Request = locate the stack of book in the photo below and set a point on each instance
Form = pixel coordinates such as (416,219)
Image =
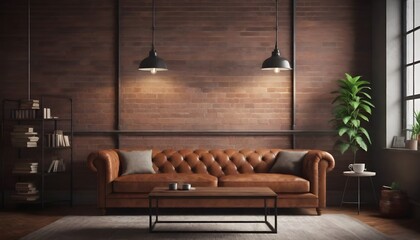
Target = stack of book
(27,109)
(25,167)
(58,139)
(24,136)
(25,191)
(29,104)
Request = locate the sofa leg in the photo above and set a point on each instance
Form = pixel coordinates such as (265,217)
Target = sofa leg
(103,211)
(318,211)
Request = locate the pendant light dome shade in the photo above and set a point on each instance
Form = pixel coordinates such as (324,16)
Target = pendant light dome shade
(276,62)
(153,63)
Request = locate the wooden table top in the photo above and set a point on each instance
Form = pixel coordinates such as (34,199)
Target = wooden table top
(214,192)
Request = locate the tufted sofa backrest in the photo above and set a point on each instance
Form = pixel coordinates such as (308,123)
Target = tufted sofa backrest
(216,162)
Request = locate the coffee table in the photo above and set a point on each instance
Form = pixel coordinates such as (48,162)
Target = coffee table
(263,193)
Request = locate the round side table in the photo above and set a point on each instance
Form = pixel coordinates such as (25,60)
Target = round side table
(350,174)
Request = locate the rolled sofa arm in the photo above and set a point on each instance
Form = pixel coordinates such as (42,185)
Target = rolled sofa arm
(106,164)
(316,164)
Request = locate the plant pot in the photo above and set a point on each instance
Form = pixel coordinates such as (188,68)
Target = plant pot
(418,142)
(411,144)
(393,203)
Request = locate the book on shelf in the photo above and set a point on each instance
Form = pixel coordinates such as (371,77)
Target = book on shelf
(57,165)
(23,114)
(25,167)
(27,109)
(24,136)
(25,197)
(58,139)
(25,185)
(47,113)
(22,170)
(22,163)
(25,191)
(16,171)
(50,168)
(25,144)
(23,128)
(29,104)
(66,141)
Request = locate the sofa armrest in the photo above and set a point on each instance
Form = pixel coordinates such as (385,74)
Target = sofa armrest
(106,164)
(316,164)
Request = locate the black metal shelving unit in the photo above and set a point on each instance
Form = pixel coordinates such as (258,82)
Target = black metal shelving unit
(41,152)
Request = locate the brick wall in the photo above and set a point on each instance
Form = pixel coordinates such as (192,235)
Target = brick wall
(214,50)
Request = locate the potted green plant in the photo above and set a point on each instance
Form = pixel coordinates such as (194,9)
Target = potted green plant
(412,143)
(352,107)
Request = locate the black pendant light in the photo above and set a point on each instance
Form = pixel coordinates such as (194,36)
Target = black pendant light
(153,63)
(276,62)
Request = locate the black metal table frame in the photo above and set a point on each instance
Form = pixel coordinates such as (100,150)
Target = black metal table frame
(358,202)
(154,211)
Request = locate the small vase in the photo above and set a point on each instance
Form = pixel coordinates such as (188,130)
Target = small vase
(411,144)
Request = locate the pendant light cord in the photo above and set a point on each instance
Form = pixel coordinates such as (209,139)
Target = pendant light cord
(153,24)
(29,49)
(277,22)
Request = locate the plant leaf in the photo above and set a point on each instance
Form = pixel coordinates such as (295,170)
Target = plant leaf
(365,132)
(364,117)
(346,119)
(354,104)
(366,95)
(368,103)
(366,108)
(361,82)
(361,143)
(355,123)
(351,133)
(342,130)
(343,147)
(356,78)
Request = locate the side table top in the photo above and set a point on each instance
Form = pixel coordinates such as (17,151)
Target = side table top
(363,174)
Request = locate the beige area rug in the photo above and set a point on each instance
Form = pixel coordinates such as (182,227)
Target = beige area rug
(327,226)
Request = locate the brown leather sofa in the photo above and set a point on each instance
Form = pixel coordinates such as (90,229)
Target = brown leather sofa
(212,168)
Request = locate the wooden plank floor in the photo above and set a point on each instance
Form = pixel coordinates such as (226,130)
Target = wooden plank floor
(399,229)
(17,223)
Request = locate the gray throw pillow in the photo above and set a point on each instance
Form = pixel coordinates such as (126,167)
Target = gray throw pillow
(288,162)
(136,162)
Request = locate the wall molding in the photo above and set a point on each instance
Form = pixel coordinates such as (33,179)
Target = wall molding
(243,133)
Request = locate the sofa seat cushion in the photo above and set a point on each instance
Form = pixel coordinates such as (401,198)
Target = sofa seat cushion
(136,183)
(280,183)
